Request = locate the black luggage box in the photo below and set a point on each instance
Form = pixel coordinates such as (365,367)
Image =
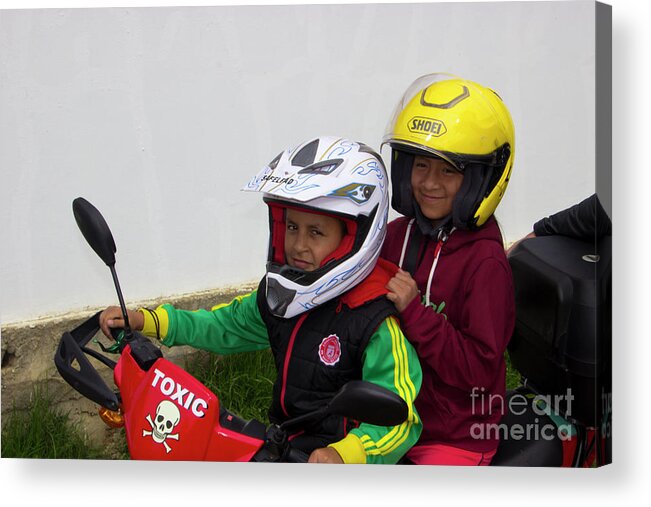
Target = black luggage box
(562,332)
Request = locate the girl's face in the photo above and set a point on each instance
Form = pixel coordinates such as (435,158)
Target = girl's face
(310,238)
(434,183)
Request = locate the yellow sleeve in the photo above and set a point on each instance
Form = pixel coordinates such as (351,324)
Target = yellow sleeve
(390,362)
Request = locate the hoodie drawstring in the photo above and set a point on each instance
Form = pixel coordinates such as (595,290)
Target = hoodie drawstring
(406,240)
(443,236)
(437,252)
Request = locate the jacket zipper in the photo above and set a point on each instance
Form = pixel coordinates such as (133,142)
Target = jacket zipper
(288,355)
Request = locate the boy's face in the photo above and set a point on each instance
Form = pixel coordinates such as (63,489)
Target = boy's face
(434,183)
(310,238)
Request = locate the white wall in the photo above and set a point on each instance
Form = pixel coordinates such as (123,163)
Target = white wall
(159,115)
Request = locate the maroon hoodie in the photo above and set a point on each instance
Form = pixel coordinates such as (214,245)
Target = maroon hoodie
(461,337)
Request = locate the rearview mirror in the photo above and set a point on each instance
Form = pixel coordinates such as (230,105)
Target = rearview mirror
(360,400)
(369,403)
(92,225)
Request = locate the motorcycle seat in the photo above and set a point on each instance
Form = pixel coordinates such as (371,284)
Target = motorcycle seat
(532,438)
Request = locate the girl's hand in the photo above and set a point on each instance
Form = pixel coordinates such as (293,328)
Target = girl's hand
(325,455)
(112,318)
(402,290)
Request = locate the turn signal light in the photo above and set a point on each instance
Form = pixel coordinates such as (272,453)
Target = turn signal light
(112,418)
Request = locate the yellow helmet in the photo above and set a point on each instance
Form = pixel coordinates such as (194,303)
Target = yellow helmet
(464,123)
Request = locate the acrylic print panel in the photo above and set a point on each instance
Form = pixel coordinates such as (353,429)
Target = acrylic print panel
(183,104)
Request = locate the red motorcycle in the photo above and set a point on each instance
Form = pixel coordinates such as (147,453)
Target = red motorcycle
(170,415)
(559,417)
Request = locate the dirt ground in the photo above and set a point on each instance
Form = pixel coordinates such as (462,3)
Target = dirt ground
(28,351)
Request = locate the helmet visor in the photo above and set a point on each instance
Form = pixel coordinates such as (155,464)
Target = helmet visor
(448,117)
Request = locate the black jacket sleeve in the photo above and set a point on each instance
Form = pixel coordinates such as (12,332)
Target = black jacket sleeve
(586,220)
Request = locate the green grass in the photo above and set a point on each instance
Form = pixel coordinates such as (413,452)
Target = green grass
(513,379)
(44,432)
(243,382)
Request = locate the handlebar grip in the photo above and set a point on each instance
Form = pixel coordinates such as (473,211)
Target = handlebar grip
(297,456)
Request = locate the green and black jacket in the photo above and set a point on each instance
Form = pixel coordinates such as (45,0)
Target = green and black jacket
(352,337)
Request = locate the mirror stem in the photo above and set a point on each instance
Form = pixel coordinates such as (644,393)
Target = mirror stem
(127,326)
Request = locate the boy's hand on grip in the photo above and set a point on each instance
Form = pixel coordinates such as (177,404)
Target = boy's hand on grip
(112,318)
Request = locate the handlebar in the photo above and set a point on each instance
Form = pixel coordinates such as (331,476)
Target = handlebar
(296,456)
(73,365)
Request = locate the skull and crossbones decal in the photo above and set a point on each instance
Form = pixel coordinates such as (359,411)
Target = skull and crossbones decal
(167,418)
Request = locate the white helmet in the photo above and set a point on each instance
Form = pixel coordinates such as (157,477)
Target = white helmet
(340,178)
